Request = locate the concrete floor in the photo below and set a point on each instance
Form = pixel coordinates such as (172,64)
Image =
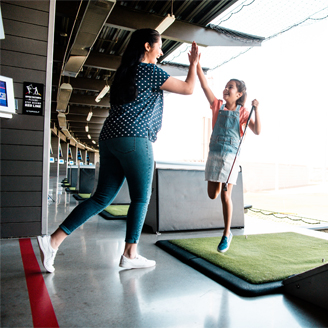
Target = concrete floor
(89,289)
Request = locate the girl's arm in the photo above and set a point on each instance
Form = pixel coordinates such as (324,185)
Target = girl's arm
(204,84)
(255,125)
(184,87)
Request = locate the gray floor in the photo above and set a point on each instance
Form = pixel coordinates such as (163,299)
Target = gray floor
(88,289)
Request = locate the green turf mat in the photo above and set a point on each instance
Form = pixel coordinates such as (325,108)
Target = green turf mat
(261,258)
(117,210)
(84,195)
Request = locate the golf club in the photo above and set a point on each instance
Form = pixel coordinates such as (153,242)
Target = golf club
(225,187)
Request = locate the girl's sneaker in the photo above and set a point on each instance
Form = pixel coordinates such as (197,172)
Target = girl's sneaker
(225,243)
(47,253)
(138,262)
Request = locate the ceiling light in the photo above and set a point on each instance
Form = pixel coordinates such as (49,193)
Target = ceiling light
(93,142)
(165,23)
(74,65)
(89,116)
(87,128)
(63,97)
(102,93)
(62,120)
(89,136)
(91,24)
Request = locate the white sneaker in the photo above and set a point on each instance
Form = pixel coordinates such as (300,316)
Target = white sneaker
(138,262)
(47,253)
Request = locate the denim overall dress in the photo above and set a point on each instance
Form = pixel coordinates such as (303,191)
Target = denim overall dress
(224,144)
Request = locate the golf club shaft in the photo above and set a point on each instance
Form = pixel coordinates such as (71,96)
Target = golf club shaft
(225,187)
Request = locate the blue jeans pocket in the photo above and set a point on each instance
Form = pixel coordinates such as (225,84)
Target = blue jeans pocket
(125,145)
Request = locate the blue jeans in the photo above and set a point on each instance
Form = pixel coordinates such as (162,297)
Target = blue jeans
(120,158)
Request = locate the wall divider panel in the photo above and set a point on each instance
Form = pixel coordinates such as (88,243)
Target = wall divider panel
(25,152)
(179,200)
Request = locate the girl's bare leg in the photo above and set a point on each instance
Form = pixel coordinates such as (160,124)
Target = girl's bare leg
(227,208)
(213,189)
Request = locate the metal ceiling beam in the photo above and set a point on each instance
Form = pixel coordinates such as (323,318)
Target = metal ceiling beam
(81,119)
(81,125)
(84,136)
(72,119)
(88,101)
(84,111)
(108,62)
(81,129)
(78,99)
(81,83)
(124,18)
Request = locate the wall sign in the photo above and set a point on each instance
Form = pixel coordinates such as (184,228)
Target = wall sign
(33,98)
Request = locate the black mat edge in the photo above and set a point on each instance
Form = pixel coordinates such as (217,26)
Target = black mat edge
(224,278)
(79,198)
(108,216)
(71,191)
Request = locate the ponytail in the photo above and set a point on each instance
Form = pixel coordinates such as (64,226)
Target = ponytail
(124,89)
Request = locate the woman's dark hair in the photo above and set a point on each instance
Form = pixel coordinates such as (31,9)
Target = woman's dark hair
(241,87)
(124,89)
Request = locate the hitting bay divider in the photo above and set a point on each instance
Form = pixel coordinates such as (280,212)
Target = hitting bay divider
(179,200)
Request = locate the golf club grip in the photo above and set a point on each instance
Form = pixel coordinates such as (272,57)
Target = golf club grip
(225,187)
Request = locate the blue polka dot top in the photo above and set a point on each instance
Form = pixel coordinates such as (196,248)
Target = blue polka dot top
(143,116)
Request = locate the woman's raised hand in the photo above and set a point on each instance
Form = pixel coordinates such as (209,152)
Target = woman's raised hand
(193,54)
(184,87)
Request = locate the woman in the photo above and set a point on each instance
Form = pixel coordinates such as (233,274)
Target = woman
(125,143)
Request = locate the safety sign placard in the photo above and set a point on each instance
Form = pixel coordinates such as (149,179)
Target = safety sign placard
(33,98)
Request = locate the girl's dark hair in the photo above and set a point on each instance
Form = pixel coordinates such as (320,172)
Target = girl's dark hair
(124,89)
(241,86)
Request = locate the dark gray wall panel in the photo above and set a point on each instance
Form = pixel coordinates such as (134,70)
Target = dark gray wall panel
(62,169)
(25,30)
(20,199)
(53,169)
(23,75)
(26,122)
(18,214)
(23,58)
(87,180)
(40,5)
(22,137)
(12,183)
(15,11)
(23,45)
(27,61)
(22,229)
(20,153)
(21,168)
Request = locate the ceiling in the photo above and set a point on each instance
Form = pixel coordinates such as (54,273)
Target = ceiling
(90,38)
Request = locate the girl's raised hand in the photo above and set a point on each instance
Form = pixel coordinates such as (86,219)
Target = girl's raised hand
(193,54)
(255,103)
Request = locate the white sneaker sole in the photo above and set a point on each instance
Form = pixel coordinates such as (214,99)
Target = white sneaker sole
(128,265)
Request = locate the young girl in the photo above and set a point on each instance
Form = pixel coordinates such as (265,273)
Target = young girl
(228,122)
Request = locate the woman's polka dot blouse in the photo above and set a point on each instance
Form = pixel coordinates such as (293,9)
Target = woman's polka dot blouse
(143,116)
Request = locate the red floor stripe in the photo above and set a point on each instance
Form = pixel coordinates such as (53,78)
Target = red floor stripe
(43,313)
